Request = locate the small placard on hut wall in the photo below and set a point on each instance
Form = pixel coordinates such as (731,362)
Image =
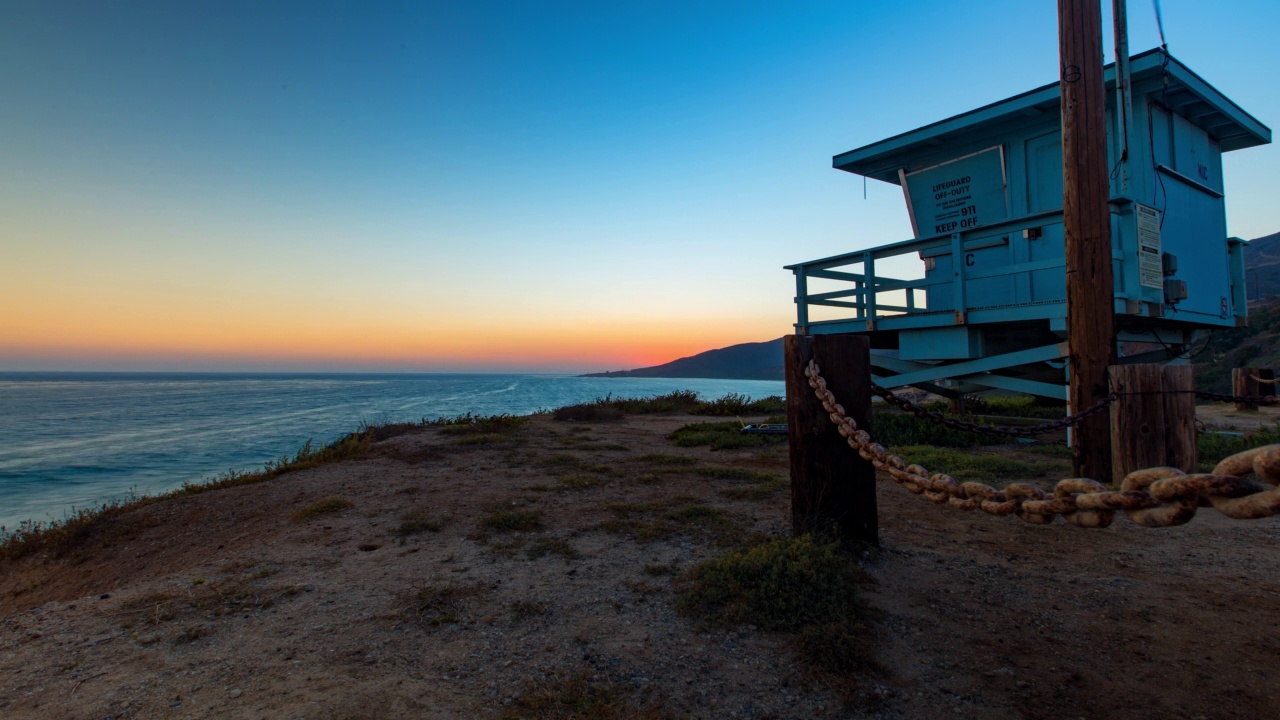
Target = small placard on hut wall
(1150,270)
(957,195)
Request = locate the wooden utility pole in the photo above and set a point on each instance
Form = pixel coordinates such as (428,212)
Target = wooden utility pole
(1087,221)
(833,490)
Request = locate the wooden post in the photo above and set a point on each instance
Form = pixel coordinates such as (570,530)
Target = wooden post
(1087,226)
(833,490)
(1153,420)
(1244,381)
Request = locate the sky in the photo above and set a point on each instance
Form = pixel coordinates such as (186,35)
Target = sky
(490,186)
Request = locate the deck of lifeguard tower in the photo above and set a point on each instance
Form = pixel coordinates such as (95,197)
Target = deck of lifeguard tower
(982,301)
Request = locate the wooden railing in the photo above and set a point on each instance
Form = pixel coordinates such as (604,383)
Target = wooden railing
(863,294)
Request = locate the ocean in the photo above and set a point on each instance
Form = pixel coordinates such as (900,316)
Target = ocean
(76,440)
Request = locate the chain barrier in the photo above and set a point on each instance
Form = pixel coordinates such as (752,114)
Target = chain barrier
(1253,399)
(984,429)
(1030,431)
(1154,497)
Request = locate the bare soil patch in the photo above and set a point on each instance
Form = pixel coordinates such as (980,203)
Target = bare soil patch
(520,573)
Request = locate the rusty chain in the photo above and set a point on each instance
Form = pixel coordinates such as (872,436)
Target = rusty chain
(1030,431)
(984,429)
(1223,397)
(1154,497)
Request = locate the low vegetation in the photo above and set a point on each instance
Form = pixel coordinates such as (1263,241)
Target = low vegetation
(611,409)
(736,404)
(891,427)
(543,547)
(577,481)
(435,605)
(480,430)
(581,694)
(1213,447)
(983,467)
(1022,406)
(723,436)
(503,521)
(667,460)
(146,614)
(418,520)
(670,518)
(326,506)
(790,585)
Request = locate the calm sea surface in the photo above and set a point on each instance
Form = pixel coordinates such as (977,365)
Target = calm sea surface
(79,439)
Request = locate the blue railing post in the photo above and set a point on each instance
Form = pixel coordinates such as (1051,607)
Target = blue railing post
(869,289)
(802,302)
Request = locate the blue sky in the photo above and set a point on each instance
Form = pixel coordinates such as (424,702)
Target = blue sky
(488,186)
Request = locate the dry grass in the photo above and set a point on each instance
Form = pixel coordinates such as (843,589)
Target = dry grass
(512,521)
(671,518)
(418,520)
(582,694)
(326,506)
(435,605)
(551,546)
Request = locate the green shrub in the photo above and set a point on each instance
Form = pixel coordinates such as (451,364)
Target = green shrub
(736,404)
(1027,406)
(1213,447)
(790,585)
(479,425)
(978,467)
(892,427)
(785,585)
(609,408)
(722,436)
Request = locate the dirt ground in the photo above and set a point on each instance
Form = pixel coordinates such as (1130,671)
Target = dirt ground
(1224,416)
(226,605)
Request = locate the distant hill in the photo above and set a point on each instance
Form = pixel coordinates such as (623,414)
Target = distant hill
(1262,268)
(748,361)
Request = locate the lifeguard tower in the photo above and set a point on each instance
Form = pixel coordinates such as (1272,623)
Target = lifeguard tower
(980,298)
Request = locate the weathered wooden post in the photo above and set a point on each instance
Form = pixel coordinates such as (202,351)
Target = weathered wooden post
(833,490)
(1153,419)
(1245,381)
(1086,218)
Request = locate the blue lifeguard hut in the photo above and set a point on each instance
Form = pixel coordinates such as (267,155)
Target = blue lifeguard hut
(979,301)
